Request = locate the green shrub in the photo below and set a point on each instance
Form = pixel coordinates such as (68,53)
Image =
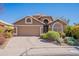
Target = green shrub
(50,29)
(68,31)
(75,32)
(44,36)
(9,27)
(1,30)
(62,34)
(9,31)
(71,41)
(8,34)
(52,35)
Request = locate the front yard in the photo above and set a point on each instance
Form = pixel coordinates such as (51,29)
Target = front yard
(59,39)
(69,36)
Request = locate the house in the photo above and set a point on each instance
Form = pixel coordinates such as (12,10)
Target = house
(3,25)
(36,25)
(58,25)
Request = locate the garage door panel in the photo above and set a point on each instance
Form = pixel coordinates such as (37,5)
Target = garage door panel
(28,30)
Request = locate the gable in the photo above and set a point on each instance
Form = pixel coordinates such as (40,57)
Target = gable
(23,22)
(60,21)
(57,24)
(42,18)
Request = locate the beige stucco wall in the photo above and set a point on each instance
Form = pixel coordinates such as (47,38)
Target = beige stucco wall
(22,22)
(64,25)
(24,29)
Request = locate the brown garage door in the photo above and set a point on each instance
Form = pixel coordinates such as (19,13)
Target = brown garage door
(28,30)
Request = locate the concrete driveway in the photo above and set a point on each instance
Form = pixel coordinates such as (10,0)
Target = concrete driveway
(23,46)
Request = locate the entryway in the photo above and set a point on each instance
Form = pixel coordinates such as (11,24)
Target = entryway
(45,26)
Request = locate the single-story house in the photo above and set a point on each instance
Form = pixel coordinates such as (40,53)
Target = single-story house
(3,24)
(36,25)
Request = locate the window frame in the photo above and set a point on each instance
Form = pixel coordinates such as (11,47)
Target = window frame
(28,22)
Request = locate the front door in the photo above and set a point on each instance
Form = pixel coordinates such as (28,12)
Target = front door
(45,26)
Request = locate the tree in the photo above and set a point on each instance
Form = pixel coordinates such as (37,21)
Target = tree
(75,31)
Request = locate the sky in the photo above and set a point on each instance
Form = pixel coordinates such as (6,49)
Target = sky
(11,12)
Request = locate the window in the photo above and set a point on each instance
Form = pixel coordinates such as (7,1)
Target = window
(28,21)
(45,21)
(58,27)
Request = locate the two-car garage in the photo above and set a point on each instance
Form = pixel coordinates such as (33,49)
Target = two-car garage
(31,30)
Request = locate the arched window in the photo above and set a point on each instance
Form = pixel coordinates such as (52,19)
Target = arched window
(57,27)
(45,26)
(45,21)
(28,21)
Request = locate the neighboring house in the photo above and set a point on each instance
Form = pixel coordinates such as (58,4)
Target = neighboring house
(36,25)
(4,24)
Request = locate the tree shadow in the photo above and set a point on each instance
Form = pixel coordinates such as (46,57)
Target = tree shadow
(77,47)
(49,41)
(45,41)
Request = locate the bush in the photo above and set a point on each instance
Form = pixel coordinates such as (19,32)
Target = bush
(75,32)
(9,31)
(9,27)
(8,35)
(50,29)
(68,31)
(52,35)
(71,41)
(1,30)
(62,34)
(44,36)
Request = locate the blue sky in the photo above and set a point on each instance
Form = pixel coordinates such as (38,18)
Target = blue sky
(12,12)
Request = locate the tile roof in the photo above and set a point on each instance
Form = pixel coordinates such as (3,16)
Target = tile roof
(1,21)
